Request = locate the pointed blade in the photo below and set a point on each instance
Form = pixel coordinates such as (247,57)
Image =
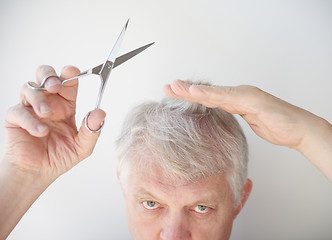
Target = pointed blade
(129,55)
(117,44)
(109,63)
(118,61)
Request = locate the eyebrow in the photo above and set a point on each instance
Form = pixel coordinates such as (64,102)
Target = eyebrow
(143,192)
(208,199)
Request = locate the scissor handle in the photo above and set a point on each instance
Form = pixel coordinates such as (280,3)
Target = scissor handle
(82,74)
(96,70)
(42,85)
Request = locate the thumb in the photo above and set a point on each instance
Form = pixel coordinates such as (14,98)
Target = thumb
(85,139)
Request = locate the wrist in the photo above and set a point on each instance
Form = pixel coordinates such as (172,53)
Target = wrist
(317,146)
(21,176)
(318,131)
(19,189)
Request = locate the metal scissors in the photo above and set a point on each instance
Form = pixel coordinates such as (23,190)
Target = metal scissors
(104,69)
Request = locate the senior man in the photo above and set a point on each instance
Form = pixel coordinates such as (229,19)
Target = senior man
(183,171)
(182,166)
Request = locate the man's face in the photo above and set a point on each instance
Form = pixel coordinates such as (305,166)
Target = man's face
(161,209)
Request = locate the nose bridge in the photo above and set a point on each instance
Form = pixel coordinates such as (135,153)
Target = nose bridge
(176,225)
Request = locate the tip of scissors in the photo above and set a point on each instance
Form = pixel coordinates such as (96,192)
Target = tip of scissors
(127,24)
(148,45)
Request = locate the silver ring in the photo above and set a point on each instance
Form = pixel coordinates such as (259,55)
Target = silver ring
(87,127)
(42,84)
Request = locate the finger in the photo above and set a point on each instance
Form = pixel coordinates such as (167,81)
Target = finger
(186,91)
(170,93)
(21,117)
(53,84)
(37,99)
(240,100)
(213,96)
(69,89)
(86,140)
(179,90)
(190,92)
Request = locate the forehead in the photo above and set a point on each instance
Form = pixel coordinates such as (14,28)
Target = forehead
(157,185)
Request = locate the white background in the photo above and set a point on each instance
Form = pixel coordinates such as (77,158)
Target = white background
(283,47)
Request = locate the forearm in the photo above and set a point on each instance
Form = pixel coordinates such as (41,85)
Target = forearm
(317,146)
(18,191)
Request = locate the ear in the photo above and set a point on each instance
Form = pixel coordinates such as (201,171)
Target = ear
(246,190)
(121,184)
(118,175)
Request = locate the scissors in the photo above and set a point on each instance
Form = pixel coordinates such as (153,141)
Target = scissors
(103,70)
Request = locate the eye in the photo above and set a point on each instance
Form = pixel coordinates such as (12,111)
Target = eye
(150,205)
(201,209)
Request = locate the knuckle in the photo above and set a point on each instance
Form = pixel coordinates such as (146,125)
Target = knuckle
(11,111)
(74,68)
(249,89)
(253,94)
(24,89)
(229,90)
(25,116)
(32,96)
(16,112)
(227,93)
(44,70)
(70,71)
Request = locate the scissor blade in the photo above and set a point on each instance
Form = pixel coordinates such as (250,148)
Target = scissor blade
(129,55)
(118,61)
(108,64)
(116,47)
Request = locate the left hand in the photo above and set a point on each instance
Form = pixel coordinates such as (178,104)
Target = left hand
(269,117)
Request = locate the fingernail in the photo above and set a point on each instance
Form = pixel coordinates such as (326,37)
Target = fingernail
(44,108)
(52,82)
(41,127)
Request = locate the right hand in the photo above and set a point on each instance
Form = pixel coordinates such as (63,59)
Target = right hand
(42,137)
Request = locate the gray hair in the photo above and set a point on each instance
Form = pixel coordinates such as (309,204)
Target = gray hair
(187,141)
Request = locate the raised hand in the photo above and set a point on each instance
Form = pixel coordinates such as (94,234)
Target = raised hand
(42,143)
(270,118)
(41,130)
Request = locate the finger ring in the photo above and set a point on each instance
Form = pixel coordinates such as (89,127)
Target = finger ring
(42,84)
(87,127)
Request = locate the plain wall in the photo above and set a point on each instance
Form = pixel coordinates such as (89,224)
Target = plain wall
(283,47)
